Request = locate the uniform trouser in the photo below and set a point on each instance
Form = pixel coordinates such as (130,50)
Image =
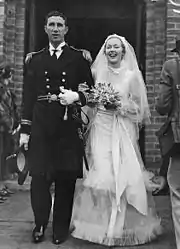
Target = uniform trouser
(63,200)
(173,178)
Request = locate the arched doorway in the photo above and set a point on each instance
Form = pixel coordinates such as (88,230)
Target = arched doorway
(90,22)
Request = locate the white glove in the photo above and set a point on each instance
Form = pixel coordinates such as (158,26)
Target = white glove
(24,140)
(67,97)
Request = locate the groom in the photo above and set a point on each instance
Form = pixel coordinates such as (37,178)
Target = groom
(48,130)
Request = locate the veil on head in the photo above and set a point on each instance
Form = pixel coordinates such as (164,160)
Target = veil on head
(129,61)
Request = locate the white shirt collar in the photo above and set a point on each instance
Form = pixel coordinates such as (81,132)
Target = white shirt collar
(59,49)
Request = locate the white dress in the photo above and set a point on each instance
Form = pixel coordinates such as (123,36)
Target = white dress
(112,205)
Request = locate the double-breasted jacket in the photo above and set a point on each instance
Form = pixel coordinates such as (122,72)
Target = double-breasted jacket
(54,141)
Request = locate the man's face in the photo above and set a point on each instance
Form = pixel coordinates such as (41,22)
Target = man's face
(56,29)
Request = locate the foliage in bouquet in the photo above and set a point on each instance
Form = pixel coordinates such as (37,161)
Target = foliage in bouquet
(102,94)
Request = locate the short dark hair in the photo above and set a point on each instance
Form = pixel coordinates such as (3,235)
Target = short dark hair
(56,13)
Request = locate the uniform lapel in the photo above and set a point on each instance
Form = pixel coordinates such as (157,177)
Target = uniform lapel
(66,57)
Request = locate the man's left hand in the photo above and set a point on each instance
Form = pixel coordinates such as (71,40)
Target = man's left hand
(68,97)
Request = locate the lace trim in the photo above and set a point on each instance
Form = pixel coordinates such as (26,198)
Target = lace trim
(128,238)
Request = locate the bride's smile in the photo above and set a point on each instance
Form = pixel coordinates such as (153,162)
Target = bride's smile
(113,51)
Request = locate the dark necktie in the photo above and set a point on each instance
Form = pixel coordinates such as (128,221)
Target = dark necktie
(54,53)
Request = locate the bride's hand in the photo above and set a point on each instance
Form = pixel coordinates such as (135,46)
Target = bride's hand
(129,106)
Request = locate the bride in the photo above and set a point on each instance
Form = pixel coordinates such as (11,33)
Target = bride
(113,204)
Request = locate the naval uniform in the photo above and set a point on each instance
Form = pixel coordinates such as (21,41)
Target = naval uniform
(55,153)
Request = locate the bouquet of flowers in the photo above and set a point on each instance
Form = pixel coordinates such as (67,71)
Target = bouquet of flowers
(102,94)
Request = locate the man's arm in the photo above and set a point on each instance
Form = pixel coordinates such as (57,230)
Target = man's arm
(68,97)
(29,97)
(164,100)
(85,76)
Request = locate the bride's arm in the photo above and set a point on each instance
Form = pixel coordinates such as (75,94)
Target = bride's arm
(138,99)
(130,103)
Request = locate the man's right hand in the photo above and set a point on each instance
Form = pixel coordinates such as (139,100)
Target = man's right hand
(24,140)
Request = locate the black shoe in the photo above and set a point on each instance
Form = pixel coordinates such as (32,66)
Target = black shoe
(8,190)
(2,198)
(58,239)
(4,193)
(38,234)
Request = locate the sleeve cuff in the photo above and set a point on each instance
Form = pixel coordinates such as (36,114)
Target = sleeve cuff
(25,126)
(83,97)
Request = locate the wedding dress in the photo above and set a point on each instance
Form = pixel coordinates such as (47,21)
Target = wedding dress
(113,204)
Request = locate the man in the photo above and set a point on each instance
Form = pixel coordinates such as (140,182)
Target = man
(168,104)
(49,132)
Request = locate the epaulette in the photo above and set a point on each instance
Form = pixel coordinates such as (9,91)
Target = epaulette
(31,54)
(75,49)
(85,53)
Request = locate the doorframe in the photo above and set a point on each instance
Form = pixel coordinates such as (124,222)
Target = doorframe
(140,35)
(31,29)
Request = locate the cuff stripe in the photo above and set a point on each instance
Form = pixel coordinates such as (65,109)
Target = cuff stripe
(26,122)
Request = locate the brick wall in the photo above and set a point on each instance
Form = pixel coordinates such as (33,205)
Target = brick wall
(2,16)
(155,55)
(13,48)
(163,24)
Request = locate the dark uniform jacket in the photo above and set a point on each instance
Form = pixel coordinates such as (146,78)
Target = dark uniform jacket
(54,142)
(168,99)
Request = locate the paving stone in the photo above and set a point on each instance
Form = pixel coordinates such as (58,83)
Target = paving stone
(16,224)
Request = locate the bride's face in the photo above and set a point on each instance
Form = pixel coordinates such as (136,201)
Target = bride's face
(113,51)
